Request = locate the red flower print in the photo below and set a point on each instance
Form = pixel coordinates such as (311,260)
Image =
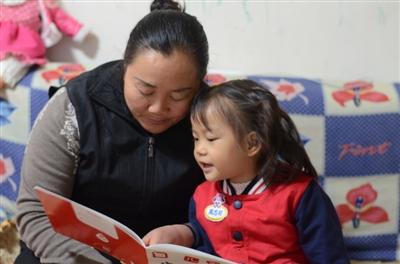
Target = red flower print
(7,169)
(214,79)
(285,90)
(360,207)
(358,91)
(63,73)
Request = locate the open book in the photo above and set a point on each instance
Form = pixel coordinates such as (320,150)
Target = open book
(92,228)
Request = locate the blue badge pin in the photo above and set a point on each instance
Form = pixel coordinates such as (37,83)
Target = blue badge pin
(216,211)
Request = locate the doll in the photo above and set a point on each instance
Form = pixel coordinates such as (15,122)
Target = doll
(9,241)
(27,28)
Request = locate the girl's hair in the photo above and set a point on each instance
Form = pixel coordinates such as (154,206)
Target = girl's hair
(168,28)
(247,107)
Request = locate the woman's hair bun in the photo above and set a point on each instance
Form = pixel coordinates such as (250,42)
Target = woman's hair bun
(166,5)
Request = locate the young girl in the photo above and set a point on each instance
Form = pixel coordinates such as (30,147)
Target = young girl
(261,202)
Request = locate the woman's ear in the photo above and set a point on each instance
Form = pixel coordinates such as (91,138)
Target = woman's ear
(253,145)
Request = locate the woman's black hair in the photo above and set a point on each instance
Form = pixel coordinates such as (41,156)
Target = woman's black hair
(168,28)
(246,107)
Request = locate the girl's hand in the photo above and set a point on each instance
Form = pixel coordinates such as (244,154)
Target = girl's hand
(170,234)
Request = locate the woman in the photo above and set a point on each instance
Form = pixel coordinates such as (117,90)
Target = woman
(117,139)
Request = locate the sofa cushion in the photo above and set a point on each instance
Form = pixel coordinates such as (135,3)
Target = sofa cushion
(350,130)
(19,108)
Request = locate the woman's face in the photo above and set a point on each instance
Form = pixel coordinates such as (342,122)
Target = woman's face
(158,89)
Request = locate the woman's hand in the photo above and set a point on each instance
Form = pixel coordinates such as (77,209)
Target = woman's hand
(170,234)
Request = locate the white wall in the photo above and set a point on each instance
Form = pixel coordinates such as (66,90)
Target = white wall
(316,39)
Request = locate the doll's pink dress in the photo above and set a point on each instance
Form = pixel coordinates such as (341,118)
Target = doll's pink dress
(19,33)
(20,30)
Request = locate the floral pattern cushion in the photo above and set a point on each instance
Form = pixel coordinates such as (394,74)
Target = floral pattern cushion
(18,110)
(350,130)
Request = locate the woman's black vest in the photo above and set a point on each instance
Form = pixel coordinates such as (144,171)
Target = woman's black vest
(139,179)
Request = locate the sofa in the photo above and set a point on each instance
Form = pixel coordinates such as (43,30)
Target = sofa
(351,130)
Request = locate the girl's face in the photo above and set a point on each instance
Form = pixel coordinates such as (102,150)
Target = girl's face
(158,89)
(218,152)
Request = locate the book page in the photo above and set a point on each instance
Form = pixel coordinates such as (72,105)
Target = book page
(95,220)
(92,228)
(173,254)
